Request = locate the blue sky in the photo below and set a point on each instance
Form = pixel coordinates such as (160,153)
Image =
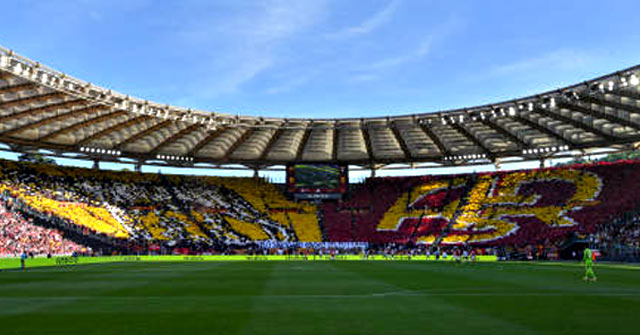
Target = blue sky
(326,58)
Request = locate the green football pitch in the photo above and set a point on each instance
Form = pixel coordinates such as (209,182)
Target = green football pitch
(298,297)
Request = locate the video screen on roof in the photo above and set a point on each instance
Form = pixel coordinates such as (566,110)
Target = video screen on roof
(317,178)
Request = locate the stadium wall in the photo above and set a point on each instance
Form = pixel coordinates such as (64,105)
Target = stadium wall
(14,263)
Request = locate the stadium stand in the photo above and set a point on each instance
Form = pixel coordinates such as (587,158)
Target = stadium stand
(176,210)
(19,235)
(506,207)
(515,210)
(45,113)
(619,240)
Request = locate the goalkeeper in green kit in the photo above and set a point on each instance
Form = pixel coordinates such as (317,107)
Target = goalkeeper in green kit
(588,262)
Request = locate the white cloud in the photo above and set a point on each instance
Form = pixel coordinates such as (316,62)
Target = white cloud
(424,47)
(561,59)
(421,49)
(252,42)
(370,24)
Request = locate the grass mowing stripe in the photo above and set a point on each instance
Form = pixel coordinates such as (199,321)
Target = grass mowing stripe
(317,298)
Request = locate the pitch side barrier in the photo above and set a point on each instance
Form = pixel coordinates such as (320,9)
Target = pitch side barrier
(14,263)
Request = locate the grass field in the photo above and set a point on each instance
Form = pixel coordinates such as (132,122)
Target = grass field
(319,298)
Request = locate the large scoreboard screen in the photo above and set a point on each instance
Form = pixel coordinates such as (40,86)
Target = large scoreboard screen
(317,179)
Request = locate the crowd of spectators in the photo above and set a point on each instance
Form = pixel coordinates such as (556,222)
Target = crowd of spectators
(522,213)
(620,239)
(200,213)
(19,235)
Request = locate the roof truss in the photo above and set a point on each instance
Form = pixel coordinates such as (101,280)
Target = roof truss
(576,124)
(81,124)
(505,133)
(205,141)
(43,109)
(444,151)
(17,88)
(549,132)
(142,133)
(51,119)
(173,138)
(403,145)
(473,139)
(31,99)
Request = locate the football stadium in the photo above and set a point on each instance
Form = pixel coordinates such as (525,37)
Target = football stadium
(179,220)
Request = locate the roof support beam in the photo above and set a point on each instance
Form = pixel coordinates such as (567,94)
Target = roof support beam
(172,138)
(443,150)
(16,88)
(401,142)
(336,138)
(473,140)
(111,129)
(43,109)
(626,93)
(367,141)
(303,143)
(237,143)
(546,131)
(51,119)
(205,141)
(30,99)
(81,124)
(143,133)
(504,132)
(610,117)
(576,124)
(272,141)
(4,75)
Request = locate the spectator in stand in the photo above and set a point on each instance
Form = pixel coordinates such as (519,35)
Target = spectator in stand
(18,235)
(620,239)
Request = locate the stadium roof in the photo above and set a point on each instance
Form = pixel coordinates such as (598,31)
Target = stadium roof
(43,109)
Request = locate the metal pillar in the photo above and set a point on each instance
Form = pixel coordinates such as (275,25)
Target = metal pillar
(496,164)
